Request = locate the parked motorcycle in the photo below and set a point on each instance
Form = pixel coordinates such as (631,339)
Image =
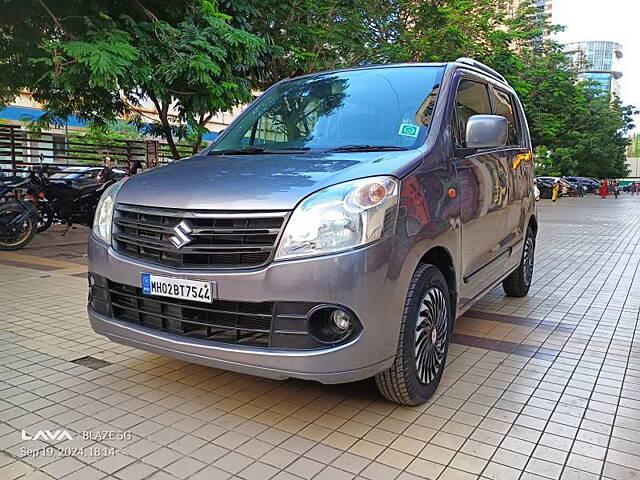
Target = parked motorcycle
(18,217)
(65,201)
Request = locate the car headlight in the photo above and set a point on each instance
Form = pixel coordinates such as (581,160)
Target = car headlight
(341,217)
(104,213)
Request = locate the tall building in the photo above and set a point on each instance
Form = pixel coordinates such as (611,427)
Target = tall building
(634,147)
(544,11)
(545,7)
(598,62)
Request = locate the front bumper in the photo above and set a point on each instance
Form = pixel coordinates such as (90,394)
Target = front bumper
(357,280)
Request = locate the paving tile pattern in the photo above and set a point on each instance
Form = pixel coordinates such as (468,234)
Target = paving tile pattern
(544,387)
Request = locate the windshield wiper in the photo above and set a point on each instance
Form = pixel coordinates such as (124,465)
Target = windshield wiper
(238,151)
(256,150)
(366,148)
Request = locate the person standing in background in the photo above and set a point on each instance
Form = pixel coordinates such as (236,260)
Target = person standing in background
(616,189)
(603,189)
(580,188)
(555,191)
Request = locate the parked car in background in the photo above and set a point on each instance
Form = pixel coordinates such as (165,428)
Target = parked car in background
(589,184)
(79,176)
(567,189)
(545,186)
(25,171)
(571,187)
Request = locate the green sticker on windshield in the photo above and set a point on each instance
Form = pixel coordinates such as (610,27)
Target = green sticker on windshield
(408,130)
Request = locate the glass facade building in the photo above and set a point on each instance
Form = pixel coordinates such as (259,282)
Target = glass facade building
(597,62)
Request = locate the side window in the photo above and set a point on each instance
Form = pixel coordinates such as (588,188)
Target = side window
(505,108)
(472,98)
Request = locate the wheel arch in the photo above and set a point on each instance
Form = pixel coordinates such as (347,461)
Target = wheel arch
(441,258)
(533,224)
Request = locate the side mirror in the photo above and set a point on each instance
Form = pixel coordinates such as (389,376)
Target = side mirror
(486,131)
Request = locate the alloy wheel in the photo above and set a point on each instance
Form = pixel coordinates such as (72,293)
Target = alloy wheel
(431,335)
(528,260)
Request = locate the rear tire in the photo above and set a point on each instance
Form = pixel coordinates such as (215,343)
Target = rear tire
(518,283)
(424,340)
(25,232)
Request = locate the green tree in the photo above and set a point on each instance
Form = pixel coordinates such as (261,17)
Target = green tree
(101,60)
(302,36)
(110,139)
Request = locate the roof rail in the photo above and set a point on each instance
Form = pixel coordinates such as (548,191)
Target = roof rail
(481,66)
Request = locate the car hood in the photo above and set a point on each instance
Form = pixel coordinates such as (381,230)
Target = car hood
(255,182)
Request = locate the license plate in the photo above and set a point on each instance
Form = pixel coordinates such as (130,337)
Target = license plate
(182,288)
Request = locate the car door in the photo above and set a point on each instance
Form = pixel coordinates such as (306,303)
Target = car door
(516,155)
(483,188)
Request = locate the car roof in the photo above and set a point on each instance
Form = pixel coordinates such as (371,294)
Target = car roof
(466,63)
(77,169)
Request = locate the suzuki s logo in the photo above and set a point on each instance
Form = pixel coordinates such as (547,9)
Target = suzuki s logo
(51,435)
(181,238)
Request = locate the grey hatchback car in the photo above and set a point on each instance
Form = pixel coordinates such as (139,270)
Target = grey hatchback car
(334,232)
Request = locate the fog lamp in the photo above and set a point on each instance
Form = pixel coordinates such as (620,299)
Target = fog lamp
(330,324)
(341,319)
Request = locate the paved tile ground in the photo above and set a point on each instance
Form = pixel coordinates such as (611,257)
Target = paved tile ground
(542,387)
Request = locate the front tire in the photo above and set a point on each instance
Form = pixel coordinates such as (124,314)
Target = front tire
(518,283)
(424,340)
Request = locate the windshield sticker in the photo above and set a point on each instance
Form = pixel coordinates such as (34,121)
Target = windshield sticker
(408,130)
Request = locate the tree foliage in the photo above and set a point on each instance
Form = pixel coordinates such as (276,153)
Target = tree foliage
(101,60)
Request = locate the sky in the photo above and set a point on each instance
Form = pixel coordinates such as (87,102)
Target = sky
(613,20)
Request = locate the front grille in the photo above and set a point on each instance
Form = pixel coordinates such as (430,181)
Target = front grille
(213,239)
(223,321)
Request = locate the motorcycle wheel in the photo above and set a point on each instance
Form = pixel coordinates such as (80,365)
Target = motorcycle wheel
(45,218)
(25,232)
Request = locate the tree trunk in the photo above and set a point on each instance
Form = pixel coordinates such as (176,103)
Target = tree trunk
(172,145)
(196,145)
(202,121)
(163,115)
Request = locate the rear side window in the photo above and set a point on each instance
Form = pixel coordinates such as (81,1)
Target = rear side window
(472,98)
(505,108)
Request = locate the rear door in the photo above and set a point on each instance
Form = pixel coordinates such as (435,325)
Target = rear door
(483,185)
(517,156)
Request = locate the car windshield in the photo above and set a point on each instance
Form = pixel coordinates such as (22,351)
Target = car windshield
(365,109)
